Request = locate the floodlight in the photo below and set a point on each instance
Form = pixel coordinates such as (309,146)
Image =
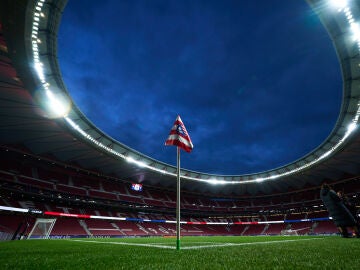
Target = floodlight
(136,162)
(39,69)
(355,28)
(140,164)
(339,3)
(351,127)
(58,104)
(130,159)
(213,181)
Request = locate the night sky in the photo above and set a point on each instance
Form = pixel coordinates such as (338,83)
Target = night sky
(256,83)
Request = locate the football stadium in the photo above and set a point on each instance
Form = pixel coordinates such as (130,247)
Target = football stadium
(72,196)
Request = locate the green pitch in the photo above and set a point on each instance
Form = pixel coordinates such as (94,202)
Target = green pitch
(298,252)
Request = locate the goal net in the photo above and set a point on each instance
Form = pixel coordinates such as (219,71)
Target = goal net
(293,232)
(42,228)
(289,232)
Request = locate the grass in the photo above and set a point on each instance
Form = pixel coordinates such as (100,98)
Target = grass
(299,252)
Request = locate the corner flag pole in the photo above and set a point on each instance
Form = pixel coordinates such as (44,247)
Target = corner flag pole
(178,200)
(180,138)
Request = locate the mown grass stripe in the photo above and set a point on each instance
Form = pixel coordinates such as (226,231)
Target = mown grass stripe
(278,253)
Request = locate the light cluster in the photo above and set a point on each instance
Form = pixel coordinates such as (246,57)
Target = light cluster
(35,40)
(343,6)
(61,110)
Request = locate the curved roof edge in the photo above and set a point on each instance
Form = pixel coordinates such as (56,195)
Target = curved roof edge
(42,22)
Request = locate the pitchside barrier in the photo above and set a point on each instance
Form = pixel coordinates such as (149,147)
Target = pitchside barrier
(45,225)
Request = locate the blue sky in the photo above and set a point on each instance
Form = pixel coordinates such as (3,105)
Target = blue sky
(256,83)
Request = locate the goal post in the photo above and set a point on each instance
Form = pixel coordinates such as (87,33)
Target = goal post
(289,232)
(42,228)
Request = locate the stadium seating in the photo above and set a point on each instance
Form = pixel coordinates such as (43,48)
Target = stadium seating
(44,185)
(255,230)
(103,194)
(11,223)
(71,190)
(101,227)
(68,227)
(128,228)
(325,227)
(275,229)
(302,228)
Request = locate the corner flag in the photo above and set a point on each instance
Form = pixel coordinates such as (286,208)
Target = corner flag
(178,136)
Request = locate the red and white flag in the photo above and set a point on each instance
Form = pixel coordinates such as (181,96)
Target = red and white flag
(178,136)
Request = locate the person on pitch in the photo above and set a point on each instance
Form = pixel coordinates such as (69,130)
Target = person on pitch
(340,214)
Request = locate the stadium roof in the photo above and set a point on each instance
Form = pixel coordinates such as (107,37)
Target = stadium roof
(31,86)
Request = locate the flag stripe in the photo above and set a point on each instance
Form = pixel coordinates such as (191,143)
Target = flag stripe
(181,145)
(179,136)
(174,137)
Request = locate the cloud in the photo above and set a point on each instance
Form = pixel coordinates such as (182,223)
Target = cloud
(253,89)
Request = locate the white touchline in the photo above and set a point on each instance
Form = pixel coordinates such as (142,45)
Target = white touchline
(126,244)
(251,243)
(213,245)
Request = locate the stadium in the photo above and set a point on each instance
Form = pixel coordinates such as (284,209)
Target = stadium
(63,178)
